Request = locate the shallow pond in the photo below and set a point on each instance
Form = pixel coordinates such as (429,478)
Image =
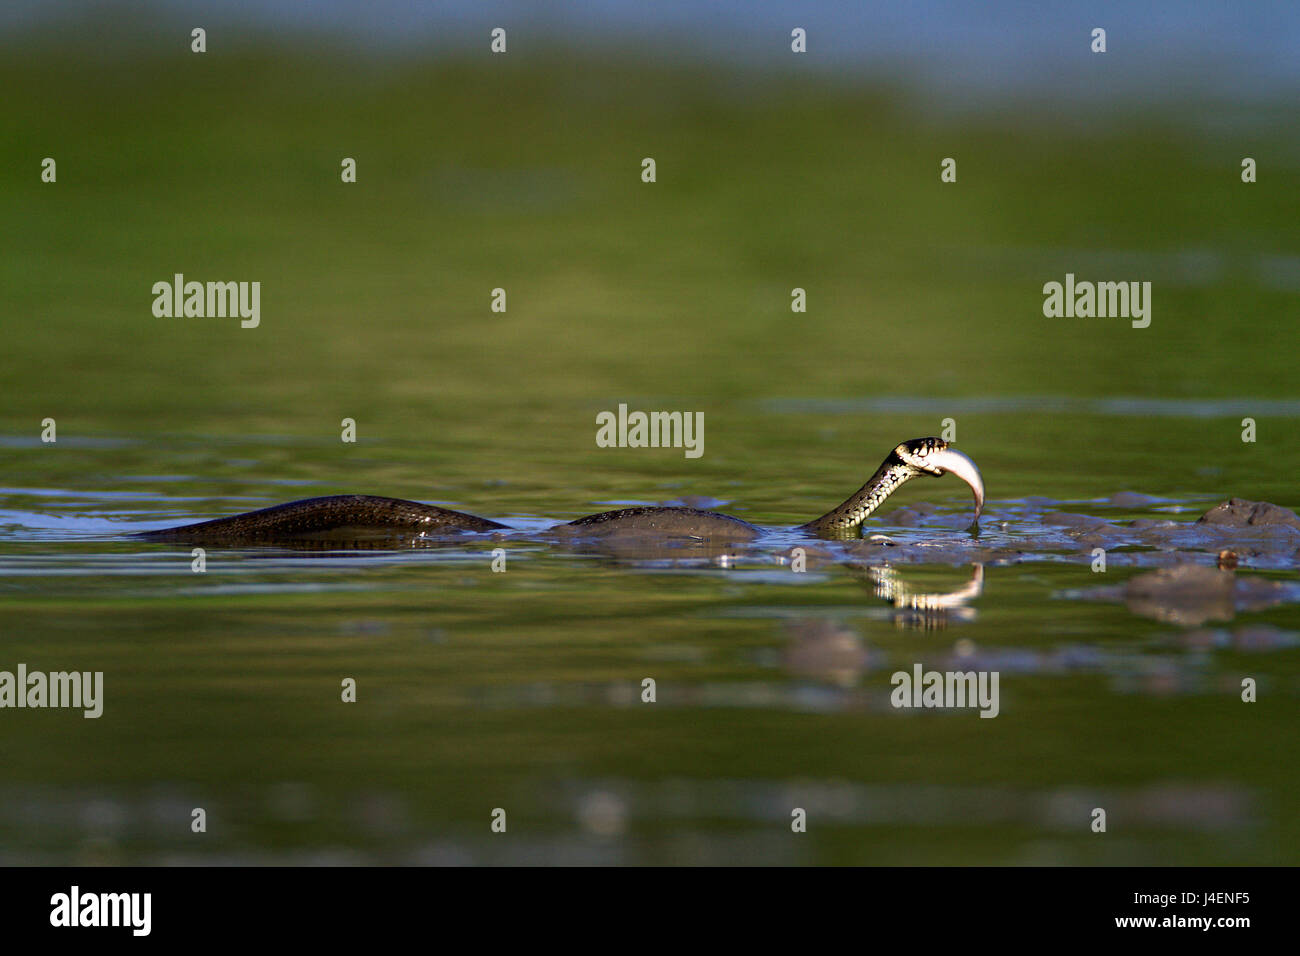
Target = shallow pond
(522,688)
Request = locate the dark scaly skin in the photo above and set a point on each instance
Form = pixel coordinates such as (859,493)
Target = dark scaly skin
(678,522)
(338,516)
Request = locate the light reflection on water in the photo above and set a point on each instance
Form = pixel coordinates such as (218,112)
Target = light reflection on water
(608,821)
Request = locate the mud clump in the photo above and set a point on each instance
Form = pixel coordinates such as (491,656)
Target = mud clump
(1240,513)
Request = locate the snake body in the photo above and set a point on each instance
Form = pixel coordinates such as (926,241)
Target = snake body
(367,517)
(336,516)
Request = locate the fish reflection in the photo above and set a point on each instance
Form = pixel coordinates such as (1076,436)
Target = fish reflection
(923,610)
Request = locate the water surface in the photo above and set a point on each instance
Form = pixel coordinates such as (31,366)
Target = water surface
(521,690)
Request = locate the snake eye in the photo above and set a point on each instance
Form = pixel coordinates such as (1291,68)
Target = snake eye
(917,452)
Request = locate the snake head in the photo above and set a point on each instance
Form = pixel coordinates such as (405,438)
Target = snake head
(932,456)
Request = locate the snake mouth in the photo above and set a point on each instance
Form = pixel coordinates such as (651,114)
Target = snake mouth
(955,463)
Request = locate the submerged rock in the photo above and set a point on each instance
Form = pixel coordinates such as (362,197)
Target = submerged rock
(1106,536)
(912,516)
(904,518)
(1240,513)
(1152,524)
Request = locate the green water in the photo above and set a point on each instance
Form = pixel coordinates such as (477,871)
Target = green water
(521,690)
